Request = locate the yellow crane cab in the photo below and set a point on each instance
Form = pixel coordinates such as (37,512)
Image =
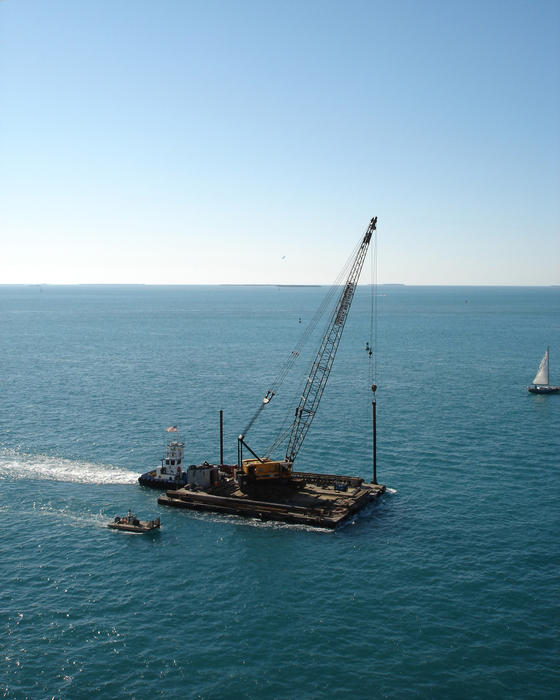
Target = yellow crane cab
(266,469)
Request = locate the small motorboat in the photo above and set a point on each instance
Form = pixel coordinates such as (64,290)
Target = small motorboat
(130,523)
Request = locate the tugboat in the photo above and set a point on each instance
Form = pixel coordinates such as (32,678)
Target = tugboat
(170,474)
(130,523)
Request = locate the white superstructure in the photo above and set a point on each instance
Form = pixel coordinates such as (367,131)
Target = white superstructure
(172,464)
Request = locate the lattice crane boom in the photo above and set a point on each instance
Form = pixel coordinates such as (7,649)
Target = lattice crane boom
(259,470)
(323,362)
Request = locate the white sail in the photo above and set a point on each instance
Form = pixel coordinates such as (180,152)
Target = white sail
(542,375)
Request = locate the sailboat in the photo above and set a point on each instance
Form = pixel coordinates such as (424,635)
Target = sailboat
(540,383)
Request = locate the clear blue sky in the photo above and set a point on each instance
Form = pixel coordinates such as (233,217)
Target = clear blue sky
(201,142)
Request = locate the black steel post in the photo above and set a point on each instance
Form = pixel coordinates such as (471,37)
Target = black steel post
(374,407)
(221,437)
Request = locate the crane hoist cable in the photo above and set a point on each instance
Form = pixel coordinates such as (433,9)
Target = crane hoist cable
(372,340)
(322,365)
(272,471)
(372,343)
(307,333)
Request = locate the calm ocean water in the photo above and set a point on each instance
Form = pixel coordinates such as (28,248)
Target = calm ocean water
(448,588)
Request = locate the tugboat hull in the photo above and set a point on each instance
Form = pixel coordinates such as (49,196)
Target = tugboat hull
(152,481)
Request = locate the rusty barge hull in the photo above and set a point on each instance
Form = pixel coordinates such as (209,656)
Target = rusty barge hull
(316,500)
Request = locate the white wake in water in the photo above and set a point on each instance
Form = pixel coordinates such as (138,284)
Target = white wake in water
(17,465)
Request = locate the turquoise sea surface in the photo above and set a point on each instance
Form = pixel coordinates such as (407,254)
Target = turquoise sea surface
(447,588)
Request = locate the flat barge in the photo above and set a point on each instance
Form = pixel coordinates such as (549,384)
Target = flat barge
(316,500)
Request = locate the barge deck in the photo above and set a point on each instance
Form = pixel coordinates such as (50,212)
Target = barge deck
(317,500)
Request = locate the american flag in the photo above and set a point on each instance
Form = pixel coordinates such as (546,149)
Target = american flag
(172,429)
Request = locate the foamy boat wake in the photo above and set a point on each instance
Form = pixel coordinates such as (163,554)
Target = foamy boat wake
(18,465)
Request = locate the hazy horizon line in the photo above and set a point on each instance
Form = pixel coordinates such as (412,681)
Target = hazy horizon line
(263,284)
